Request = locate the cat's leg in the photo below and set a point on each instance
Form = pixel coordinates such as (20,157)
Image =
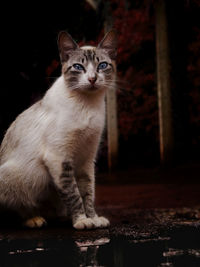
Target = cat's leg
(86,184)
(62,172)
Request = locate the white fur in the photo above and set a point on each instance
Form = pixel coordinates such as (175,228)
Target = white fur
(64,125)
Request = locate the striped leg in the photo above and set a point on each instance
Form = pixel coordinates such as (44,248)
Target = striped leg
(87,191)
(86,188)
(69,192)
(64,180)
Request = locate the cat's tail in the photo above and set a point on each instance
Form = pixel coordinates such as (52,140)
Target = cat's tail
(8,213)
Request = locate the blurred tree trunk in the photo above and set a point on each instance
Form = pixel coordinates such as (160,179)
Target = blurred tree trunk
(112,131)
(111,101)
(163,84)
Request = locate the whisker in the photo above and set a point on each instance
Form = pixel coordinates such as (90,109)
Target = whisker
(125,83)
(119,87)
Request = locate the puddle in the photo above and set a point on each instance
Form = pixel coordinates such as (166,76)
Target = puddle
(181,247)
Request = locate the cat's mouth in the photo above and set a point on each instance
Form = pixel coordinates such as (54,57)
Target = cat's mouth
(93,87)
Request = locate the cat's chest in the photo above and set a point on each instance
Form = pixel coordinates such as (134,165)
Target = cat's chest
(82,124)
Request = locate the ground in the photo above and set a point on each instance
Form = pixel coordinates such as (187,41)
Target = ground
(155,221)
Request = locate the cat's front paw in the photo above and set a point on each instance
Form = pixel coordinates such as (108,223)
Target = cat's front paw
(84,223)
(35,222)
(100,222)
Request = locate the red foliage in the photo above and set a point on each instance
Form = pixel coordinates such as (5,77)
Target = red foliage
(134,26)
(52,67)
(137,99)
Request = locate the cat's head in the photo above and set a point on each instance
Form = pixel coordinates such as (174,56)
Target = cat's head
(88,68)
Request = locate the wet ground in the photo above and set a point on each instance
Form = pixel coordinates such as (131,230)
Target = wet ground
(155,221)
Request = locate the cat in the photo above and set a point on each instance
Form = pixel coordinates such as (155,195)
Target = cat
(47,156)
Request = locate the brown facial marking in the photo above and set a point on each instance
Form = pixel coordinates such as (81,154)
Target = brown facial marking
(85,56)
(111,66)
(107,71)
(67,69)
(89,55)
(75,72)
(94,54)
(72,79)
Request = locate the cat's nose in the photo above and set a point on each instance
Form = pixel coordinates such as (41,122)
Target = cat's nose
(92,80)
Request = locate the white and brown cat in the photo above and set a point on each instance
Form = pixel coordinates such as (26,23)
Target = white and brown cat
(48,154)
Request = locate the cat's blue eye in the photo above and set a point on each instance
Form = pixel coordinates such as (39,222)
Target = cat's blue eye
(102,65)
(78,66)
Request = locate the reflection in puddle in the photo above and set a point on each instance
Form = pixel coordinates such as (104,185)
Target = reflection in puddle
(166,264)
(89,249)
(20,251)
(173,252)
(194,252)
(180,248)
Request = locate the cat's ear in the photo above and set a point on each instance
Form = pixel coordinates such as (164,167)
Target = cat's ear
(109,43)
(66,45)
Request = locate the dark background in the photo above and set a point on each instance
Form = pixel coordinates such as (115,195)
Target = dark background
(30,64)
